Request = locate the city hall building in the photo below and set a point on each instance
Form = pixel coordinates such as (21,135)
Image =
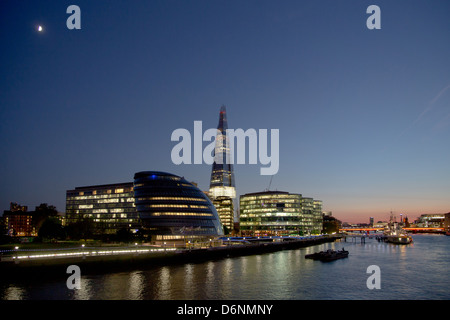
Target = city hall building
(164,206)
(173,209)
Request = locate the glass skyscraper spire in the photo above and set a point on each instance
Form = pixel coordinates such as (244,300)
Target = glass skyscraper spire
(222,189)
(222,175)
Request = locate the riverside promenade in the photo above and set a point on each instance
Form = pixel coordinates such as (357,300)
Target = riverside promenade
(92,258)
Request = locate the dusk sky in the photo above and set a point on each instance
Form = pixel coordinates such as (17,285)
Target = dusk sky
(363,115)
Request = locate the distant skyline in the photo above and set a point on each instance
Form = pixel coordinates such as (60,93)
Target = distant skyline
(363,115)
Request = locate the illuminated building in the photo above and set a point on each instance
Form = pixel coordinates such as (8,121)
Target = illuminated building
(225,209)
(317,217)
(19,223)
(433,220)
(173,209)
(279,213)
(222,176)
(110,207)
(222,188)
(307,214)
(270,213)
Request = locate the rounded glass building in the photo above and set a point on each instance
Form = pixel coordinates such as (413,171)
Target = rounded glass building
(173,209)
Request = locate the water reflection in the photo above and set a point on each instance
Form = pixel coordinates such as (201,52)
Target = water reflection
(416,271)
(210,278)
(14,293)
(164,284)
(188,280)
(136,285)
(84,293)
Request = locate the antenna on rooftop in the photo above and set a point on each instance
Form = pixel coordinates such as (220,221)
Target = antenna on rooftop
(268,188)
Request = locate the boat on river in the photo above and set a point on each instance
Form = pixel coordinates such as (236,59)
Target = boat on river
(395,234)
(329,255)
(399,239)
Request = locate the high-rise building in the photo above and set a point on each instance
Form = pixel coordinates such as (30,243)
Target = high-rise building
(222,175)
(222,189)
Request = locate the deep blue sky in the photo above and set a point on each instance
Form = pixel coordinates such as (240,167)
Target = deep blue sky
(364,115)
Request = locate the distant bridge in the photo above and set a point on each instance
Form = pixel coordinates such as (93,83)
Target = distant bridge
(368,230)
(436,230)
(361,229)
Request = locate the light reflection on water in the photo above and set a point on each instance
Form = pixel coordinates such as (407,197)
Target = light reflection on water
(416,271)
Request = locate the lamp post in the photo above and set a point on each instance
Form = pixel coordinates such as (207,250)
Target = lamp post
(17,257)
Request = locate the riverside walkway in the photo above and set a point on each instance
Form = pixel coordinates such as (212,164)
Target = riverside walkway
(15,260)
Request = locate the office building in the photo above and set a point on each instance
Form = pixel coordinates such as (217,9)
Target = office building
(270,213)
(110,207)
(279,213)
(225,209)
(308,214)
(317,217)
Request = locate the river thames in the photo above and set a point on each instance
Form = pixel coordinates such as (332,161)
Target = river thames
(418,271)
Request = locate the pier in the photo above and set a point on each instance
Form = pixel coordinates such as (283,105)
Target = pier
(355,237)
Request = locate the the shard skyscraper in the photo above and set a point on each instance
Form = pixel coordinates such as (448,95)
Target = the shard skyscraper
(222,187)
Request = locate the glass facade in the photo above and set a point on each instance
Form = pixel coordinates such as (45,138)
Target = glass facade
(270,213)
(225,209)
(111,207)
(318,217)
(279,213)
(171,208)
(308,214)
(222,175)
